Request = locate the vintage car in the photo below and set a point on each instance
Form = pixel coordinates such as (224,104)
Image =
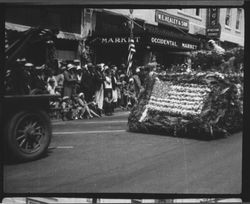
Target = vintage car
(27,125)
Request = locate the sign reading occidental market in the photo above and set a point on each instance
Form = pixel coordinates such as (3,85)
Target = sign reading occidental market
(172,43)
(168,19)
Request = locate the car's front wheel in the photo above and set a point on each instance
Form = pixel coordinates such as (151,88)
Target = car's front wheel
(28,134)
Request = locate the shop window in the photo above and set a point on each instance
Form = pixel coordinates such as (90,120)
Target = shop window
(228,17)
(238,19)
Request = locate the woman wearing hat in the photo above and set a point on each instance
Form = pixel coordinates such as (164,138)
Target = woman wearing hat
(60,79)
(51,86)
(108,82)
(99,81)
(78,78)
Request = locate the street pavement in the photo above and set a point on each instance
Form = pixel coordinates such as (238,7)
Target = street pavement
(101,156)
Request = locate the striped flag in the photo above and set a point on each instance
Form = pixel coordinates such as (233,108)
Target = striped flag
(131,49)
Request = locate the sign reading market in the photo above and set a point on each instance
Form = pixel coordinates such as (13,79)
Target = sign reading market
(172,43)
(165,18)
(118,40)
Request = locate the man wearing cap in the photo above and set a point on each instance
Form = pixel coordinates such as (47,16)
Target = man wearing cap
(77,62)
(69,81)
(87,83)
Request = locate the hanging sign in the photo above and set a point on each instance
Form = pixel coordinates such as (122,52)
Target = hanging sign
(168,19)
(213,16)
(213,29)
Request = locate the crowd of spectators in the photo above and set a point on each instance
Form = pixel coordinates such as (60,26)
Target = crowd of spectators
(93,90)
(84,91)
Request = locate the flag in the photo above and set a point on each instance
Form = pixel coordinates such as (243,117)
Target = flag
(131,49)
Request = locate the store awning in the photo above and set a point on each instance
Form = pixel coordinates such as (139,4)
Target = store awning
(60,35)
(69,36)
(168,38)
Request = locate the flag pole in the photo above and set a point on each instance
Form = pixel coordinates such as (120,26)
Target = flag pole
(130,55)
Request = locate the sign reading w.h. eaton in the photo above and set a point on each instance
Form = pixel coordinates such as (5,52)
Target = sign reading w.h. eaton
(168,19)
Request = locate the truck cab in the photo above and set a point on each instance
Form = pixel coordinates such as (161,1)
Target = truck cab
(25,112)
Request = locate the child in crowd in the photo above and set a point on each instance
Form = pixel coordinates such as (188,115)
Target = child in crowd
(108,107)
(66,108)
(84,107)
(94,107)
(123,90)
(131,95)
(51,86)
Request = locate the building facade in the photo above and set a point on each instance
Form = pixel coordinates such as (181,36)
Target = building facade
(67,21)
(162,35)
(165,34)
(159,35)
(232,23)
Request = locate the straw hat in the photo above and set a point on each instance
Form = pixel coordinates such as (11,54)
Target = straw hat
(78,68)
(28,64)
(70,66)
(40,67)
(80,94)
(65,97)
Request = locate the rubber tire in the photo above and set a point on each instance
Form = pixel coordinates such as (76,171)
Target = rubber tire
(12,147)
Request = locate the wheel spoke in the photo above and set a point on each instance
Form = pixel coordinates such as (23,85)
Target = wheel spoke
(36,146)
(33,124)
(38,133)
(23,141)
(38,128)
(20,137)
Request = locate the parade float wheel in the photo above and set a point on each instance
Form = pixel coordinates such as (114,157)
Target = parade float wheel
(28,134)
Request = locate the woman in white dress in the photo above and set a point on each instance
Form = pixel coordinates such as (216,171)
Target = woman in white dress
(99,94)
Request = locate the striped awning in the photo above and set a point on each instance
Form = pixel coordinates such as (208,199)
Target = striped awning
(60,35)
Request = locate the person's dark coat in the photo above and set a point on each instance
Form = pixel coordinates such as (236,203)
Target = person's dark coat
(87,85)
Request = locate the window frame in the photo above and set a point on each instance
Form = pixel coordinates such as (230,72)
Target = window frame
(229,15)
(238,19)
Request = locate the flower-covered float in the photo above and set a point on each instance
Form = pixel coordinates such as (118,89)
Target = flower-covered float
(198,103)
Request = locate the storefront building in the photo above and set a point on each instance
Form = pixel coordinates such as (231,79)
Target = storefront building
(232,27)
(157,35)
(165,34)
(66,21)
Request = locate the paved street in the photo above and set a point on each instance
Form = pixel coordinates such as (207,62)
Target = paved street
(100,156)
